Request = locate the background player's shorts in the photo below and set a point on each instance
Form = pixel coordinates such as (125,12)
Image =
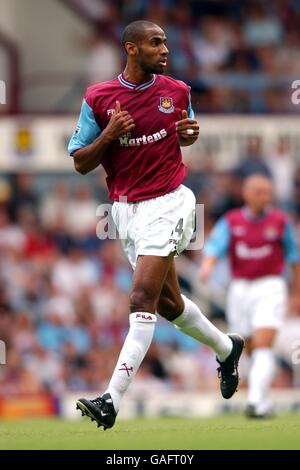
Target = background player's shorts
(157,226)
(256,304)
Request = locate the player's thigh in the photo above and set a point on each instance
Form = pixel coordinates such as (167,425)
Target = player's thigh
(170,304)
(237,308)
(148,280)
(269,306)
(263,338)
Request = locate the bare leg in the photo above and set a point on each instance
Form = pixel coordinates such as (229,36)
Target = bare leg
(188,318)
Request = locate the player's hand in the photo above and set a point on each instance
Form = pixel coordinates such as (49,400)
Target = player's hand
(120,123)
(186,123)
(206,268)
(204,274)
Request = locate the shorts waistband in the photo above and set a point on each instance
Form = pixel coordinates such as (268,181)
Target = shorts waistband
(151,198)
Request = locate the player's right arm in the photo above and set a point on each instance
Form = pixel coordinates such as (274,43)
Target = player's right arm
(89,150)
(215,248)
(292,256)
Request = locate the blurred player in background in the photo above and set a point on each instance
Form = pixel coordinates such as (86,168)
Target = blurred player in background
(259,241)
(134,126)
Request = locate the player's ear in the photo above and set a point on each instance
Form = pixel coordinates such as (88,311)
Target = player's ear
(131,48)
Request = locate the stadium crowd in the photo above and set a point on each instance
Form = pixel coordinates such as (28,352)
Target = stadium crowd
(64,292)
(239,57)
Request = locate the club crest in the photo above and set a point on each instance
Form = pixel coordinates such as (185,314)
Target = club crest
(271,233)
(166,105)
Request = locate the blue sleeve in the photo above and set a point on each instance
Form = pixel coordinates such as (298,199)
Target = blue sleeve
(190,110)
(218,242)
(290,247)
(86,131)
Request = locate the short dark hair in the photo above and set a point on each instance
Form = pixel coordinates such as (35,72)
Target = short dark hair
(135,31)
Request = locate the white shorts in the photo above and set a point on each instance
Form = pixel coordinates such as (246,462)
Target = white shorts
(157,226)
(256,304)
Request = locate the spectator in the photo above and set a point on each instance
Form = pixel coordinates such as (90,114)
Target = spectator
(282,167)
(253,161)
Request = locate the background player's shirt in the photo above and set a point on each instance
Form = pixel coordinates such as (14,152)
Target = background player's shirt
(147,162)
(256,246)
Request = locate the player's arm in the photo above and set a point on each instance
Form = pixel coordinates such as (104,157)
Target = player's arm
(215,248)
(292,256)
(187,128)
(90,155)
(296,279)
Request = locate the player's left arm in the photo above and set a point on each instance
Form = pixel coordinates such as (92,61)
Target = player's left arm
(292,256)
(216,247)
(187,128)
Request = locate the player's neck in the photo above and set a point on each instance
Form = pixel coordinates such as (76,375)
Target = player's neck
(256,212)
(134,74)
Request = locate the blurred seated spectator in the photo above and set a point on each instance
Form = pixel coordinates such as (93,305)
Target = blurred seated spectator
(282,166)
(11,234)
(212,43)
(80,215)
(101,50)
(72,272)
(260,27)
(55,205)
(23,194)
(253,160)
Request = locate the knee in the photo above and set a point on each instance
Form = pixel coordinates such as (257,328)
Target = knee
(142,301)
(261,344)
(263,338)
(170,308)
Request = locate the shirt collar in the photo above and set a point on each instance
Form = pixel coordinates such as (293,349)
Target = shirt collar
(136,86)
(248,214)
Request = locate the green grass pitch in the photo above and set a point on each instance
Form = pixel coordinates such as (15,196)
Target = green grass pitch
(224,432)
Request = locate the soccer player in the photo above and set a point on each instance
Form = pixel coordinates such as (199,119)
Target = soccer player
(134,126)
(259,241)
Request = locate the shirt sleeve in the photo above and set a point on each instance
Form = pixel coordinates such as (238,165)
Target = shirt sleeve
(190,110)
(218,242)
(86,131)
(291,250)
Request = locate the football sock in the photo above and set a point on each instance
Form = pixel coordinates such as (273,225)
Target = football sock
(193,323)
(137,342)
(261,374)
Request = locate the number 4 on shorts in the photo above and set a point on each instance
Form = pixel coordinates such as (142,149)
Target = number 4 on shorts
(178,228)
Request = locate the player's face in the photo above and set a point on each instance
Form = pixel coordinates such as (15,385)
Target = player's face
(153,52)
(258,195)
